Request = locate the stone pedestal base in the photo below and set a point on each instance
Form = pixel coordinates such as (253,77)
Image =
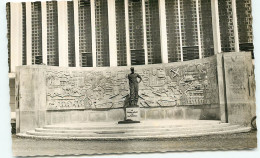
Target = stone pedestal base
(132,115)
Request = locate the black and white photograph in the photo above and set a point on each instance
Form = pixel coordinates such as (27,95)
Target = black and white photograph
(100,77)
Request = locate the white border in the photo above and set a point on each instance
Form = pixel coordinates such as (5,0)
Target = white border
(5,136)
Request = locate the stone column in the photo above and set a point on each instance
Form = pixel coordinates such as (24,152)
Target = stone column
(128,53)
(93,32)
(63,33)
(234,10)
(179,15)
(31,105)
(240,94)
(28,33)
(144,34)
(198,28)
(76,29)
(16,35)
(44,33)
(112,32)
(163,32)
(215,25)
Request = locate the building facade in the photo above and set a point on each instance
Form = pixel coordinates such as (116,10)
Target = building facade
(110,33)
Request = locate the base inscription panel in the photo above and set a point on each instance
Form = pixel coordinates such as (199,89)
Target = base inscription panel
(133,114)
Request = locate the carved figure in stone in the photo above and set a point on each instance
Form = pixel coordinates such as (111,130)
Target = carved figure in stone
(134,87)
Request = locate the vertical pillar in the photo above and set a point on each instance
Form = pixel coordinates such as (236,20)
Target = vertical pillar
(93,32)
(76,28)
(128,54)
(221,88)
(198,28)
(28,33)
(16,35)
(144,33)
(215,25)
(112,32)
(44,33)
(63,33)
(234,11)
(179,15)
(163,32)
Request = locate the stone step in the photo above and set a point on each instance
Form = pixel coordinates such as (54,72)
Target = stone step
(131,130)
(126,134)
(144,130)
(162,136)
(145,124)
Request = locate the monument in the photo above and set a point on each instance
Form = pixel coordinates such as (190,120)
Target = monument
(132,111)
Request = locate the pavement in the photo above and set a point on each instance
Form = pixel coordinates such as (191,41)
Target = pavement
(47,147)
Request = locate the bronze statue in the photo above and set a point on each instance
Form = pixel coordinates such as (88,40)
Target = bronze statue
(133,86)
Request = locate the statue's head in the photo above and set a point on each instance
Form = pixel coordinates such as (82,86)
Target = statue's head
(132,69)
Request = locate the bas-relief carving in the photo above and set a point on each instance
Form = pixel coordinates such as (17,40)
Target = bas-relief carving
(183,85)
(188,84)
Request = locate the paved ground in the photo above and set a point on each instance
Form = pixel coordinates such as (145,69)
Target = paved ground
(27,147)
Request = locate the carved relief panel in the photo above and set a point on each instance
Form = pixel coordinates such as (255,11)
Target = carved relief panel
(169,85)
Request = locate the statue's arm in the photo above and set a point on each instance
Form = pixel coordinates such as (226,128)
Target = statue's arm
(139,78)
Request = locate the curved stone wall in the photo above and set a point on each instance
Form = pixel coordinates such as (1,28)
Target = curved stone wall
(51,95)
(209,89)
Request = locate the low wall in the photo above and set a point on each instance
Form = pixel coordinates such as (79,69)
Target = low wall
(183,90)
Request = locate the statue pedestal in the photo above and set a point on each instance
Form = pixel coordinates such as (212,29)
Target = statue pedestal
(132,115)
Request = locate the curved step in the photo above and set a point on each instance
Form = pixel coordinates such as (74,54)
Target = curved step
(129,130)
(144,130)
(145,124)
(122,133)
(238,130)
